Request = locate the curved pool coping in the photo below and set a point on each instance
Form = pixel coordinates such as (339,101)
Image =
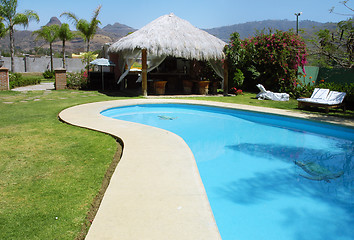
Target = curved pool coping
(156,191)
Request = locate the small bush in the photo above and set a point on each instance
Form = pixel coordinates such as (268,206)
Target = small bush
(17,80)
(238,78)
(48,74)
(76,80)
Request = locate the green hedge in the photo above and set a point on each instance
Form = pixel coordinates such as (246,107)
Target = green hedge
(17,80)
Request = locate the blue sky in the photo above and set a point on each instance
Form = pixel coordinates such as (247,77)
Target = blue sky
(201,13)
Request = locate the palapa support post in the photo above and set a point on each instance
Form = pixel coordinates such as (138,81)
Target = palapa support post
(226,77)
(144,71)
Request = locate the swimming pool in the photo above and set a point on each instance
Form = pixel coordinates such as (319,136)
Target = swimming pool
(267,177)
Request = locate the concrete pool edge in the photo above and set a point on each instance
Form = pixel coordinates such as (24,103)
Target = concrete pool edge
(144,200)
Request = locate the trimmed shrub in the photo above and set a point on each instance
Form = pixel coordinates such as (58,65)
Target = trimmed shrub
(48,74)
(17,80)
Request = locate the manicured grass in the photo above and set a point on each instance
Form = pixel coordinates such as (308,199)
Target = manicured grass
(28,76)
(250,99)
(50,172)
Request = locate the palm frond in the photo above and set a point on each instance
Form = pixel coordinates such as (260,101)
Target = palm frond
(71,17)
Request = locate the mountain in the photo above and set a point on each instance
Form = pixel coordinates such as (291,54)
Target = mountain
(250,28)
(25,41)
(118,30)
(53,21)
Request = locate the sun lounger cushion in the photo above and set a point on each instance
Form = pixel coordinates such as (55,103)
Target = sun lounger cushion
(336,97)
(320,93)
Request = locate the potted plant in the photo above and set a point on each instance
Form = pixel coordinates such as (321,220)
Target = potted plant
(187,86)
(159,87)
(203,86)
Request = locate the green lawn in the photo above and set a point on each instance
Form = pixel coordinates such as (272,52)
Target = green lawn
(51,171)
(250,99)
(48,169)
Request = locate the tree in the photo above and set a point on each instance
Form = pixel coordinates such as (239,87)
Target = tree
(235,55)
(87,29)
(2,28)
(64,34)
(346,5)
(49,34)
(335,48)
(12,18)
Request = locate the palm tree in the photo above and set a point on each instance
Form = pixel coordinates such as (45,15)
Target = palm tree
(87,29)
(2,28)
(65,34)
(49,34)
(12,18)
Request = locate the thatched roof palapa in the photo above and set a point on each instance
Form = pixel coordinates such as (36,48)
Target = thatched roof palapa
(170,35)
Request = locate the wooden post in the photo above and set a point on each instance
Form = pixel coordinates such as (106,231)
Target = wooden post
(144,71)
(226,77)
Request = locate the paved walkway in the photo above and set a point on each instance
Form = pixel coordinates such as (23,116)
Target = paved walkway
(156,191)
(38,87)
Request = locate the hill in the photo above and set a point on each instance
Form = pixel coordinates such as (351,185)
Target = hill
(250,28)
(25,41)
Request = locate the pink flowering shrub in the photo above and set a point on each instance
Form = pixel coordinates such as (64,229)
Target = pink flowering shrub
(77,80)
(269,58)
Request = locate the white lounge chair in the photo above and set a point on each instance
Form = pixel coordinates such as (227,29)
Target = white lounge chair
(264,94)
(323,98)
(317,95)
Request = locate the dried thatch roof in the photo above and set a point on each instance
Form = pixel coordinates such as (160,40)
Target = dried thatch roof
(170,35)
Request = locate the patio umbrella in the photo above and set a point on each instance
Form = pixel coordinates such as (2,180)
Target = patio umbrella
(103,62)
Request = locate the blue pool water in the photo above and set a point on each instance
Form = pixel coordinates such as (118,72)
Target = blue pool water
(267,177)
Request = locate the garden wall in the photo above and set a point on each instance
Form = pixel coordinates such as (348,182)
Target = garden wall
(41,64)
(330,75)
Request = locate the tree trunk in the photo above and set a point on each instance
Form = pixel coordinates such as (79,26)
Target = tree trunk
(12,49)
(64,66)
(144,71)
(88,45)
(88,60)
(226,77)
(51,56)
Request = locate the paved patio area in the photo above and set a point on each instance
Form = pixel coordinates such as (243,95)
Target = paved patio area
(38,87)
(156,191)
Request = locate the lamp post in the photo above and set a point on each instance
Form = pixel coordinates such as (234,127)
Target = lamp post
(297,22)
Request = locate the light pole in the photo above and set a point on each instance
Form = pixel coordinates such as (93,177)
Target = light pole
(297,22)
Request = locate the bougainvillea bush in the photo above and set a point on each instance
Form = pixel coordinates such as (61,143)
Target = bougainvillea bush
(271,59)
(76,80)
